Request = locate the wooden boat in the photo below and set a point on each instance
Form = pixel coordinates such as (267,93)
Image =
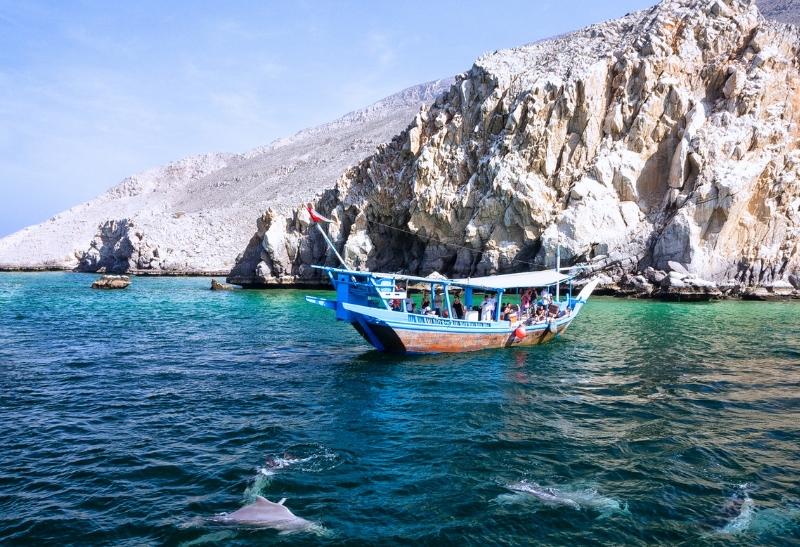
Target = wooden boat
(363,299)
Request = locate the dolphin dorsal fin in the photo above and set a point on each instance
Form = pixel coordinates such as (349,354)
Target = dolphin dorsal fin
(262,499)
(282,500)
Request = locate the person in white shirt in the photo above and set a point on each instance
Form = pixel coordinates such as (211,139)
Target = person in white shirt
(487,308)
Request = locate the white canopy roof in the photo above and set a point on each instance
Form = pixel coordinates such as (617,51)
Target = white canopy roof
(540,278)
(511,281)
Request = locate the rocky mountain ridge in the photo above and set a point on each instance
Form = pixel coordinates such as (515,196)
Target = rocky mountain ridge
(666,136)
(195,215)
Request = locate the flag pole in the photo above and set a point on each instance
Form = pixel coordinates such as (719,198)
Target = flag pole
(316,218)
(330,244)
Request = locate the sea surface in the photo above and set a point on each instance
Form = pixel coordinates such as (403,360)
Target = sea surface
(142,416)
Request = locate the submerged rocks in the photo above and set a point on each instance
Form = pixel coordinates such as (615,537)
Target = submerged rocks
(112,282)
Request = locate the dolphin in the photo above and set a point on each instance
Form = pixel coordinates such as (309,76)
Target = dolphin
(575,499)
(548,496)
(740,515)
(266,513)
(278,462)
(739,509)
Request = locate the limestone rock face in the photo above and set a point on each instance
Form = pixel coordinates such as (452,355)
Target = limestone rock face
(195,215)
(667,135)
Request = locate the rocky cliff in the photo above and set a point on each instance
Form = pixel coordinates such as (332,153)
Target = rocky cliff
(669,135)
(785,11)
(195,215)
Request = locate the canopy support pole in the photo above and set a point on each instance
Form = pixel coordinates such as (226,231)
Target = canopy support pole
(558,264)
(499,303)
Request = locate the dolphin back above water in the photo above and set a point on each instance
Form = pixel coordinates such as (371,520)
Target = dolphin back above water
(740,515)
(263,512)
(568,497)
(739,509)
(549,496)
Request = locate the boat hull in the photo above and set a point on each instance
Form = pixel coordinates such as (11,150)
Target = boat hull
(399,340)
(401,332)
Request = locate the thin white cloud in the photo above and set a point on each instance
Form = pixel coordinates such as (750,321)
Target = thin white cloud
(379,46)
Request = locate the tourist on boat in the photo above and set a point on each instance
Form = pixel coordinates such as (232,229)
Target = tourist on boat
(458,308)
(525,301)
(409,303)
(487,308)
(507,311)
(438,303)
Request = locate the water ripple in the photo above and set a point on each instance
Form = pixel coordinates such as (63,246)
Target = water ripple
(134,417)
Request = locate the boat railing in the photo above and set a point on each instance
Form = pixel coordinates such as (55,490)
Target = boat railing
(424,319)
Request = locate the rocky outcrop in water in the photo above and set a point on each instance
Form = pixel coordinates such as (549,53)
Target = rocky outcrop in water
(217,286)
(669,135)
(112,282)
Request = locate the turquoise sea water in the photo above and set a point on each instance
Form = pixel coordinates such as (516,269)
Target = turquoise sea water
(135,417)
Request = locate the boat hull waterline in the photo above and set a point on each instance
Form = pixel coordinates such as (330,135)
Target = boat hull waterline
(399,340)
(407,333)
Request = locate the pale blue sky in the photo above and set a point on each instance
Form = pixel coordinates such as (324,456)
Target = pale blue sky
(91,92)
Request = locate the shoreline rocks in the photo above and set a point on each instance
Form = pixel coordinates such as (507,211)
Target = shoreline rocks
(687,287)
(112,282)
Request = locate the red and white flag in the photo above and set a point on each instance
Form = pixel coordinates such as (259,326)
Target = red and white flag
(315,216)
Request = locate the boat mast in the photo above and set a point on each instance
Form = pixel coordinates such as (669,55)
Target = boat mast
(558,262)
